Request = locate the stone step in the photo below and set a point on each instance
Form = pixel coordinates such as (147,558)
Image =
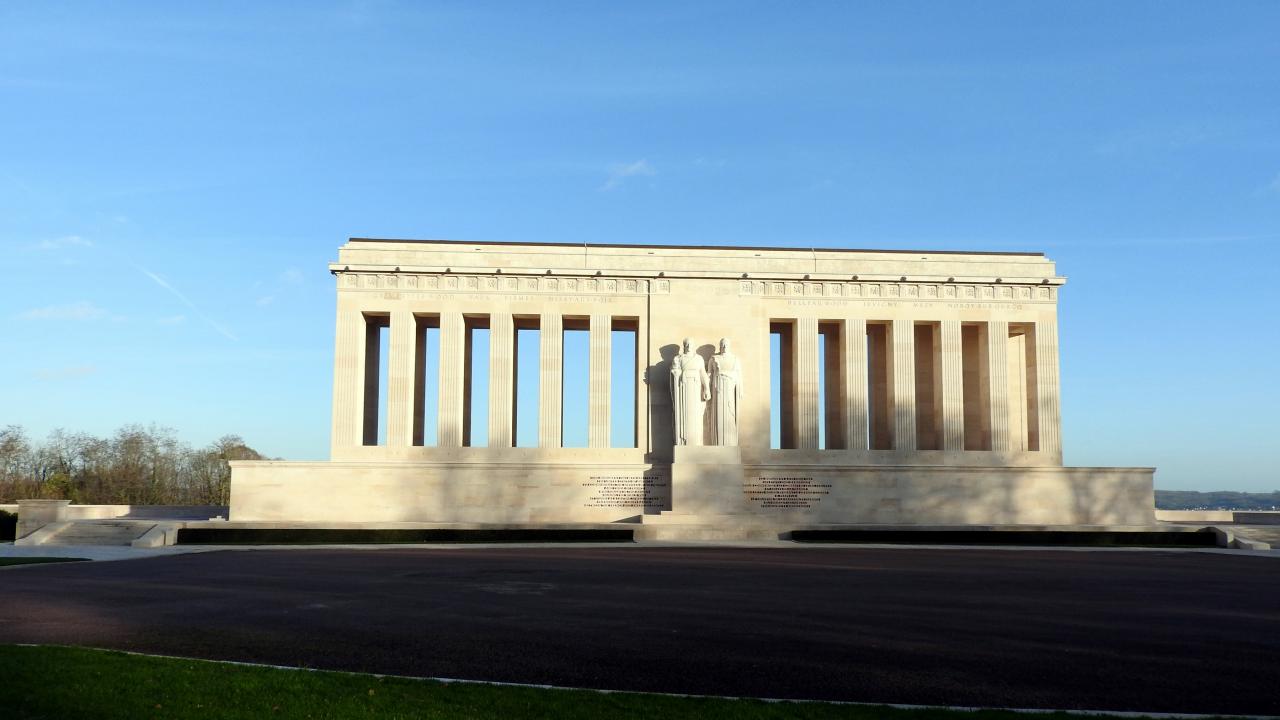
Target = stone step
(709,533)
(100,532)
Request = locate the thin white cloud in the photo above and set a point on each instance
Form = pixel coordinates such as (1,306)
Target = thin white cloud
(172,320)
(291,276)
(619,174)
(65,373)
(67,241)
(265,300)
(187,301)
(83,310)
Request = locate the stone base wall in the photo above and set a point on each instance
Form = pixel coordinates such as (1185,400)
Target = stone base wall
(139,512)
(35,514)
(318,492)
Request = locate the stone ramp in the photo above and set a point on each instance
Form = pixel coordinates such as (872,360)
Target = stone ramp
(1269,534)
(90,532)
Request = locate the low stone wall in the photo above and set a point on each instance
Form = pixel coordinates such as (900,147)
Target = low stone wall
(1258,517)
(1221,516)
(146,512)
(589,492)
(1240,517)
(35,514)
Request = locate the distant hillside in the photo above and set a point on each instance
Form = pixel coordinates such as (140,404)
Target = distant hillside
(1225,500)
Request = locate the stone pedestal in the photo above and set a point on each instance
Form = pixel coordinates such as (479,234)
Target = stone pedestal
(707,480)
(35,514)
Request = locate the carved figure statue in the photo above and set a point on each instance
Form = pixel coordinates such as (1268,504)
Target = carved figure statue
(726,386)
(690,390)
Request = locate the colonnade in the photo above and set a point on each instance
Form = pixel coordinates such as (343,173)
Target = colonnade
(909,385)
(898,384)
(357,363)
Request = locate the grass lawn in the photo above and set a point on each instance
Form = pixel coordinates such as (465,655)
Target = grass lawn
(36,560)
(60,682)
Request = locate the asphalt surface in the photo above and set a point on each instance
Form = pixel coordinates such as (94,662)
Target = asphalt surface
(1148,631)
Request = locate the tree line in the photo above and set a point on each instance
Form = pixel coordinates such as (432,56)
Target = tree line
(136,465)
(1216,500)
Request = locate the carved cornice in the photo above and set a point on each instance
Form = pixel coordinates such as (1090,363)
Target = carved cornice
(501,284)
(951,292)
(769,289)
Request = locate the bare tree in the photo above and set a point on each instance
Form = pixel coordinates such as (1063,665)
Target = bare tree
(137,465)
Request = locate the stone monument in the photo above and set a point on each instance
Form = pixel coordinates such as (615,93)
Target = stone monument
(906,387)
(726,387)
(690,391)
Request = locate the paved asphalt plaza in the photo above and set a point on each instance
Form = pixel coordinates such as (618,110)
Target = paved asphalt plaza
(1121,630)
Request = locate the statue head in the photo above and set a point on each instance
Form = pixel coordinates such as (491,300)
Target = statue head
(688,344)
(724,345)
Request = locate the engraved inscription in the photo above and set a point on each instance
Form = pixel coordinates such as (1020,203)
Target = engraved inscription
(627,491)
(786,492)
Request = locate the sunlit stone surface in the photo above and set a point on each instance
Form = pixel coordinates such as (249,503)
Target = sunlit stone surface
(932,398)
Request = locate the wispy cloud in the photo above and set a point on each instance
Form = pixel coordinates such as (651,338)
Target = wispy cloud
(187,301)
(65,373)
(265,300)
(291,276)
(619,174)
(83,310)
(172,320)
(67,241)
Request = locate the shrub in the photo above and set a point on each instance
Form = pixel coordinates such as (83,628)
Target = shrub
(8,526)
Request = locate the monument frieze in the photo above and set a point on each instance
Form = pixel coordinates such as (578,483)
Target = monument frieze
(350,280)
(795,293)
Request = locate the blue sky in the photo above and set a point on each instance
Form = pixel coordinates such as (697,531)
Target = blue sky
(174,177)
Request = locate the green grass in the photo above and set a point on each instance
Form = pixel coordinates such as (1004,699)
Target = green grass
(36,560)
(61,682)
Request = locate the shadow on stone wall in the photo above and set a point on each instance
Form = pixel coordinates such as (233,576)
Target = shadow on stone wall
(661,424)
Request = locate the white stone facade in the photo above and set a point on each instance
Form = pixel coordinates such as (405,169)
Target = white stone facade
(941,390)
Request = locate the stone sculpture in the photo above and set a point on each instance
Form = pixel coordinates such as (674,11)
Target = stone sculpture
(690,390)
(726,387)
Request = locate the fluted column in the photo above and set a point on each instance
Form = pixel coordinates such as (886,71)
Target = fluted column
(904,385)
(348,381)
(806,383)
(998,375)
(1047,389)
(400,379)
(453,341)
(598,383)
(854,367)
(550,396)
(502,335)
(952,387)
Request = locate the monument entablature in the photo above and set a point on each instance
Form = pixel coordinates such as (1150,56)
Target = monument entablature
(882,386)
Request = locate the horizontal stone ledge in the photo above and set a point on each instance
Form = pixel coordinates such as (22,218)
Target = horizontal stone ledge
(825,467)
(626,274)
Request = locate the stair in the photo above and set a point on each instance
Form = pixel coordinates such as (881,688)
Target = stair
(99,532)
